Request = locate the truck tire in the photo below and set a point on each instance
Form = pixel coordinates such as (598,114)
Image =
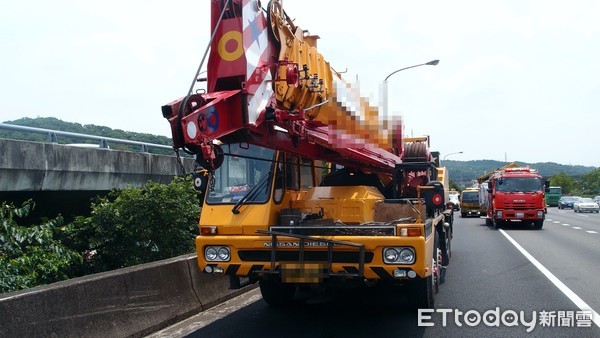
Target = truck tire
(537,225)
(275,293)
(497,224)
(421,294)
(436,262)
(446,247)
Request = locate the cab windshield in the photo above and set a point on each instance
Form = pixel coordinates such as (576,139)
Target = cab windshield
(470,197)
(554,190)
(519,184)
(244,167)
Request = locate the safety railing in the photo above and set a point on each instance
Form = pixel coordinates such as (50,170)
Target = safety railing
(103,141)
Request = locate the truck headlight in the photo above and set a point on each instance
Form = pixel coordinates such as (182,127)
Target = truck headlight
(223,254)
(217,253)
(407,255)
(398,255)
(391,254)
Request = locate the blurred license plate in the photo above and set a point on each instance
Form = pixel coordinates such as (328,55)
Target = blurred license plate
(293,272)
(519,215)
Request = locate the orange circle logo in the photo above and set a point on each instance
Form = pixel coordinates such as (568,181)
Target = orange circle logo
(237,52)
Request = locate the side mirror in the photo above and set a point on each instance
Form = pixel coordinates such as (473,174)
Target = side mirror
(434,197)
(201,178)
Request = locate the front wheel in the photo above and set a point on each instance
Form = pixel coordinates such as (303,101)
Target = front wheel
(422,294)
(497,223)
(538,224)
(276,293)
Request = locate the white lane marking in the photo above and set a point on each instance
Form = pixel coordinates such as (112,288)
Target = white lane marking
(557,222)
(577,228)
(591,232)
(566,224)
(560,285)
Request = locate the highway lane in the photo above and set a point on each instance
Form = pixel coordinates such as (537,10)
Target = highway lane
(487,273)
(569,246)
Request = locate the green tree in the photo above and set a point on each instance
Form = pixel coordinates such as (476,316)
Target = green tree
(33,255)
(568,184)
(590,183)
(454,186)
(138,225)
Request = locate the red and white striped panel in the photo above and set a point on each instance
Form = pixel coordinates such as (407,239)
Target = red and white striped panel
(256,41)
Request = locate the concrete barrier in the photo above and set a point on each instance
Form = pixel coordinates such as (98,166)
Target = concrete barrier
(133,301)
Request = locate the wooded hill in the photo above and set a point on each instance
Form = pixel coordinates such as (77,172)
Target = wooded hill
(53,123)
(461,172)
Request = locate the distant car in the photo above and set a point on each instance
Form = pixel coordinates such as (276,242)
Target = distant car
(566,202)
(586,205)
(597,199)
(455,201)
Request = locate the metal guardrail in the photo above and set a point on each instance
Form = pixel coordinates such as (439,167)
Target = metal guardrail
(103,141)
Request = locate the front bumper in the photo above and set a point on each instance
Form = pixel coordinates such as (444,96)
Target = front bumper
(338,257)
(521,215)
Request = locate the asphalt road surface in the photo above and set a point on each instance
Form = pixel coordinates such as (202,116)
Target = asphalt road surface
(512,282)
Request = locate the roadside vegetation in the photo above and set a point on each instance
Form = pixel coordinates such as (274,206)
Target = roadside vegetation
(128,227)
(587,185)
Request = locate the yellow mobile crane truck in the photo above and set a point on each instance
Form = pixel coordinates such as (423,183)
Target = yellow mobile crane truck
(273,116)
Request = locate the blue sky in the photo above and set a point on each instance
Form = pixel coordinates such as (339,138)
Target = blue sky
(517,80)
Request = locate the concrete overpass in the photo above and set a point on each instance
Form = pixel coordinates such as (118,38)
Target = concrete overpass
(64,178)
(36,166)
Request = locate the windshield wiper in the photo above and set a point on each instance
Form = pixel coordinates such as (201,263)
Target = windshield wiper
(260,185)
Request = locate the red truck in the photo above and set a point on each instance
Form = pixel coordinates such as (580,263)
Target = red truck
(516,194)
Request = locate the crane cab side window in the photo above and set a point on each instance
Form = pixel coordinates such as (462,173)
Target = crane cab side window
(279,181)
(307,177)
(292,172)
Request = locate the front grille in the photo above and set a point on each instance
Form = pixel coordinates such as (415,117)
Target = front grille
(345,230)
(309,256)
(520,206)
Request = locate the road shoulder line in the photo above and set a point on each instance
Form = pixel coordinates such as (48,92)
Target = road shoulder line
(582,305)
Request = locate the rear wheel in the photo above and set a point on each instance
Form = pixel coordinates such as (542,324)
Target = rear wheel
(436,262)
(276,293)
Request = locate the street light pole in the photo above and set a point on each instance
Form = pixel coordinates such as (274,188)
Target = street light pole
(458,152)
(385,86)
